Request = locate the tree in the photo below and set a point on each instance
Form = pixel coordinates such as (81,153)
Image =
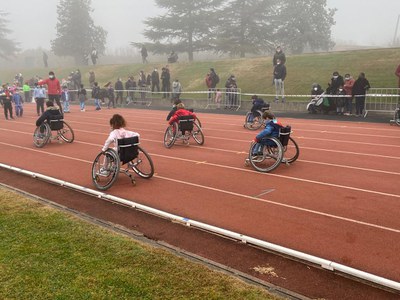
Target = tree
(246,26)
(7,46)
(305,23)
(77,35)
(187,26)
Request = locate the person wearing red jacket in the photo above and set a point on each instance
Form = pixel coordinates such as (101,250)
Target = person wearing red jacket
(180,111)
(53,88)
(397,73)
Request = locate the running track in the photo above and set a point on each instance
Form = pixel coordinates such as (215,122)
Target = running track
(340,200)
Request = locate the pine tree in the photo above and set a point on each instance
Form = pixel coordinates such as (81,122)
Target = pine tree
(77,35)
(7,46)
(187,26)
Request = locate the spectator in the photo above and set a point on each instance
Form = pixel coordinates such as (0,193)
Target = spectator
(144,54)
(176,90)
(94,56)
(96,95)
(142,86)
(39,93)
(279,55)
(165,82)
(208,81)
(92,79)
(340,100)
(5,97)
(173,57)
(82,95)
(155,81)
(397,73)
(45,59)
(66,98)
(110,95)
(360,88)
(27,92)
(17,99)
(348,87)
(130,86)
(279,78)
(53,88)
(119,90)
(231,89)
(214,78)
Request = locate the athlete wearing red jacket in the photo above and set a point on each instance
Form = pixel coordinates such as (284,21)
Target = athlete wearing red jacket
(181,111)
(53,88)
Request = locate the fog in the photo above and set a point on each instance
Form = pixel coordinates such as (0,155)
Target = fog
(358,22)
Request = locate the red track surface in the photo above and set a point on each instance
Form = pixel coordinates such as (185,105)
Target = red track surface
(339,201)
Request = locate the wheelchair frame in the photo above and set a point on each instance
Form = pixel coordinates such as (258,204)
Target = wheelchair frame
(104,178)
(185,124)
(64,133)
(257,120)
(396,116)
(276,150)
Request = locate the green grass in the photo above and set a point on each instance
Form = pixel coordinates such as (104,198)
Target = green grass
(254,75)
(46,254)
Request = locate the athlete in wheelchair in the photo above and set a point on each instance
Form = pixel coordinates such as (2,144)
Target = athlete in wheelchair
(126,152)
(49,122)
(253,120)
(272,146)
(182,126)
(174,109)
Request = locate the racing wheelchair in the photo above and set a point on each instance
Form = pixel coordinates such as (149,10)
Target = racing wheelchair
(267,156)
(254,120)
(185,128)
(44,133)
(107,165)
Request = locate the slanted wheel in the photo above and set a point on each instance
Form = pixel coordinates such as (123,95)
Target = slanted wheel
(253,122)
(142,164)
(198,122)
(197,134)
(266,158)
(170,135)
(41,135)
(397,116)
(66,133)
(105,169)
(291,151)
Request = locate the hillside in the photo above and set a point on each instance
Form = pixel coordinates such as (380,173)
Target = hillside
(254,75)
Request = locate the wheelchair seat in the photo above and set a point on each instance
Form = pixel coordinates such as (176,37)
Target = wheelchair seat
(128,149)
(185,123)
(56,122)
(284,135)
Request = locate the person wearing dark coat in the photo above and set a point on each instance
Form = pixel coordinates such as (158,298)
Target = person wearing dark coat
(279,55)
(155,81)
(360,88)
(49,112)
(119,90)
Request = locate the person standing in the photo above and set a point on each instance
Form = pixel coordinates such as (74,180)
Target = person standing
(45,58)
(94,56)
(144,54)
(397,73)
(165,82)
(5,97)
(176,90)
(27,92)
(53,88)
(360,88)
(17,99)
(279,78)
(96,95)
(82,95)
(65,97)
(119,90)
(92,78)
(279,55)
(39,93)
(155,81)
(110,95)
(348,87)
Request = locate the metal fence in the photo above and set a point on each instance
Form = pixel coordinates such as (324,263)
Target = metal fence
(228,99)
(382,100)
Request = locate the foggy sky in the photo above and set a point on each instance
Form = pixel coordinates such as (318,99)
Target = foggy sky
(361,22)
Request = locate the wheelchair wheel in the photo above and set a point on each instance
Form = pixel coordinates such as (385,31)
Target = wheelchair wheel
(268,157)
(291,151)
(41,138)
(198,122)
(197,134)
(66,133)
(170,135)
(105,169)
(397,116)
(142,164)
(253,122)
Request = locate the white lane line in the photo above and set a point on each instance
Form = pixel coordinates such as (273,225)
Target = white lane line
(284,205)
(236,194)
